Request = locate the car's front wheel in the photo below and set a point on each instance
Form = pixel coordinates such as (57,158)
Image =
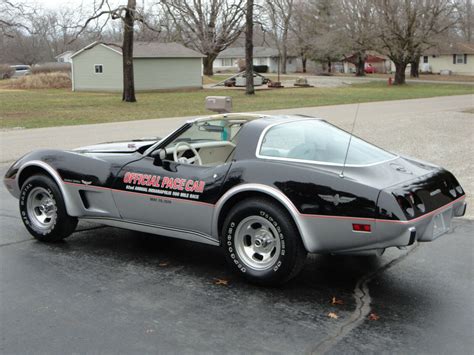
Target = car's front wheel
(43,210)
(262,243)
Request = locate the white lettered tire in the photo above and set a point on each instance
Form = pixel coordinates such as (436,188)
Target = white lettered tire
(43,211)
(262,243)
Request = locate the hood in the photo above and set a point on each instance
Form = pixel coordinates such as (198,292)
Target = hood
(130,146)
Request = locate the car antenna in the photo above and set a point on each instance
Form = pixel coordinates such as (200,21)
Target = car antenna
(350,140)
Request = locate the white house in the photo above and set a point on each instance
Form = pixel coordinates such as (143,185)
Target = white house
(156,66)
(229,58)
(64,57)
(457,58)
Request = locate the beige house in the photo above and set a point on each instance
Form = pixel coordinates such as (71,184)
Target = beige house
(157,66)
(229,59)
(456,58)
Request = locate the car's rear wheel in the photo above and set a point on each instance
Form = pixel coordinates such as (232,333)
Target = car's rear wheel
(43,210)
(262,243)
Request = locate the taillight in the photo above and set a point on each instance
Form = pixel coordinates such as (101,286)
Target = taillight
(409,202)
(406,205)
(418,203)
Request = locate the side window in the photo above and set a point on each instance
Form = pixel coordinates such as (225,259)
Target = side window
(280,140)
(317,141)
(98,68)
(425,59)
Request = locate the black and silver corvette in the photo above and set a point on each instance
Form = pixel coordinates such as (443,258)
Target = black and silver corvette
(268,189)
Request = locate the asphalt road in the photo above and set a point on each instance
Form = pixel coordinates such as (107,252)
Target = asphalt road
(106,290)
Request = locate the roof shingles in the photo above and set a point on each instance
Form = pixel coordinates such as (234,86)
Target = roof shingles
(451,48)
(151,50)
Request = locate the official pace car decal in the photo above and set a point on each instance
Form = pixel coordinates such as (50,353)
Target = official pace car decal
(163,185)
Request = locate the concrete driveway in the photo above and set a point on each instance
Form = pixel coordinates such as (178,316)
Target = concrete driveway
(438,130)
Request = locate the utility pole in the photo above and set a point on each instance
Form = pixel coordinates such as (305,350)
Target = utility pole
(249,88)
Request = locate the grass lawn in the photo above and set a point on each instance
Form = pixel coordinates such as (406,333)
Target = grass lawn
(58,107)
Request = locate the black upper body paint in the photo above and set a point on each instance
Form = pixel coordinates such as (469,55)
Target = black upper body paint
(401,189)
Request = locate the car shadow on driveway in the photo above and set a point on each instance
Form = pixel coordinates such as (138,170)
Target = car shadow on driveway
(107,289)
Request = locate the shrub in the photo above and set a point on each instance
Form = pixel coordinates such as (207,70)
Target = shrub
(51,68)
(56,80)
(6,71)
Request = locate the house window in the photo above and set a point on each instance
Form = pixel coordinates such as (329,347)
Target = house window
(98,68)
(459,59)
(227,62)
(290,61)
(425,59)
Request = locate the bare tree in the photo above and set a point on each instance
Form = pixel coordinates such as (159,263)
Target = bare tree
(249,89)
(464,13)
(33,34)
(408,27)
(129,15)
(325,45)
(13,17)
(280,13)
(357,30)
(301,27)
(207,26)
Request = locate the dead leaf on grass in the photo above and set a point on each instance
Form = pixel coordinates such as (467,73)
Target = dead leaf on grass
(374,316)
(333,315)
(335,301)
(163,264)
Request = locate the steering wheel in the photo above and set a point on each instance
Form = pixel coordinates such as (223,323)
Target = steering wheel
(178,156)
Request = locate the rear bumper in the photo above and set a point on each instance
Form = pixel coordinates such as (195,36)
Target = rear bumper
(425,228)
(336,236)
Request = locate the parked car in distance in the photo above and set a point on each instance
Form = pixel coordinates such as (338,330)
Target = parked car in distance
(240,80)
(20,70)
(369,68)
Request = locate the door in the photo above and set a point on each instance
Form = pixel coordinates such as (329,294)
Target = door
(177,189)
(174,196)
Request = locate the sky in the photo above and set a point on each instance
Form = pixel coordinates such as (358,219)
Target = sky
(53,4)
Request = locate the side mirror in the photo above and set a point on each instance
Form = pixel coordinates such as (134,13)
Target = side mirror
(158,156)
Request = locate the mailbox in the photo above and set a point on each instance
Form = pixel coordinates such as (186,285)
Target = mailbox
(220,104)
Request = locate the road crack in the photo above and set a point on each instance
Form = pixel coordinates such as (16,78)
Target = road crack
(16,242)
(362,297)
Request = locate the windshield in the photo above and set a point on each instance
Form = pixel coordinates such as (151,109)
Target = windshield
(318,141)
(210,131)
